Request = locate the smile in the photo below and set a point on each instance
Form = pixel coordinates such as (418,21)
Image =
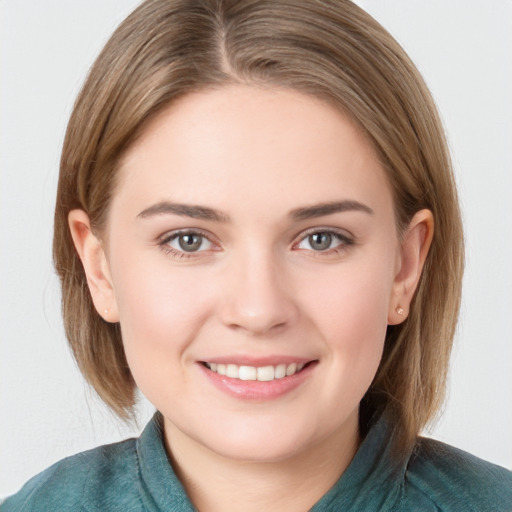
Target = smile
(259,373)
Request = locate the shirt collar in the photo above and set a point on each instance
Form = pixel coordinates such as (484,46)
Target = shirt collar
(160,487)
(372,481)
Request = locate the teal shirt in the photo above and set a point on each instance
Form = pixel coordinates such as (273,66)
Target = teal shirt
(135,475)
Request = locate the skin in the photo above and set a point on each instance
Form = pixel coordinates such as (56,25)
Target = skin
(257,286)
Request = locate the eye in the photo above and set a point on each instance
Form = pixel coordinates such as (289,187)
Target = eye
(324,241)
(186,242)
(320,241)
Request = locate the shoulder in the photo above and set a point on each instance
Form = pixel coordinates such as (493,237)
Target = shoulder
(98,479)
(454,480)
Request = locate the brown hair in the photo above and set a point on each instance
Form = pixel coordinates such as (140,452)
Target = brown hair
(327,48)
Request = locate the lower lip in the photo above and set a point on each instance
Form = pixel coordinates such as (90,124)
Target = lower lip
(258,390)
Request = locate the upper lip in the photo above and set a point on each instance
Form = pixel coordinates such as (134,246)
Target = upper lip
(257,361)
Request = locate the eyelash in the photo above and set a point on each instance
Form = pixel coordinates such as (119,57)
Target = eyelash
(345,241)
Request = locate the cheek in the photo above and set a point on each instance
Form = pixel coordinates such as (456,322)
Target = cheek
(160,311)
(350,311)
(354,299)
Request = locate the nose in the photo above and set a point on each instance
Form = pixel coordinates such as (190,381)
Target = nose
(257,296)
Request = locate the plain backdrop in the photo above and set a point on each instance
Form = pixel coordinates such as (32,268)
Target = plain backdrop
(464,50)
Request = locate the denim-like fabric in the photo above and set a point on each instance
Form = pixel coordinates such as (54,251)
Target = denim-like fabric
(135,475)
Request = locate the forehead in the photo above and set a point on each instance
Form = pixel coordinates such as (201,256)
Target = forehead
(215,146)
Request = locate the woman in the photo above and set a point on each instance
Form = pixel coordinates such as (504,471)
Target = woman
(257,226)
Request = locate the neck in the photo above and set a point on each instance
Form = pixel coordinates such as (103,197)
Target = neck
(218,484)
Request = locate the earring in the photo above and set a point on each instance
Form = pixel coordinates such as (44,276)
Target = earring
(106,312)
(400,310)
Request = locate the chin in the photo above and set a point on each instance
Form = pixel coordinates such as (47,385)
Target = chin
(261,440)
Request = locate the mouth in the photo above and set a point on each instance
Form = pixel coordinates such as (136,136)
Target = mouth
(261,381)
(265,373)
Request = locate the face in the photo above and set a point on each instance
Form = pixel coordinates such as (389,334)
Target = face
(253,254)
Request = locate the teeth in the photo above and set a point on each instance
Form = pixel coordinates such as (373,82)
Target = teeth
(260,373)
(232,371)
(280,371)
(266,373)
(247,373)
(291,369)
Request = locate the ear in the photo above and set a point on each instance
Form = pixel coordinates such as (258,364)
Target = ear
(413,253)
(95,263)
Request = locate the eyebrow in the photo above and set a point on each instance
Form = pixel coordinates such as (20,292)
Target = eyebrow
(205,213)
(185,210)
(319,210)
